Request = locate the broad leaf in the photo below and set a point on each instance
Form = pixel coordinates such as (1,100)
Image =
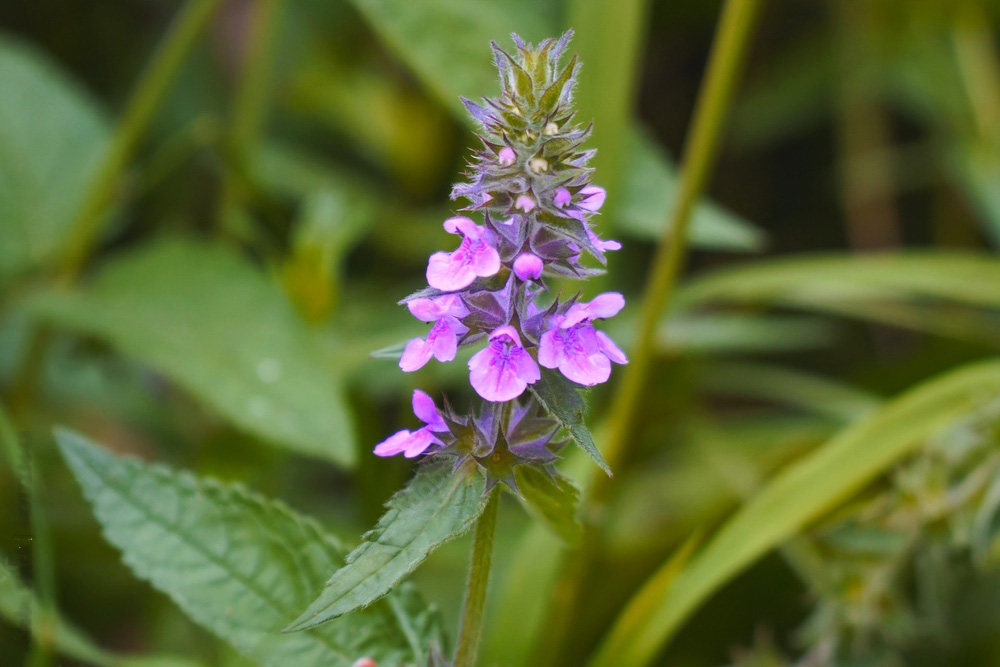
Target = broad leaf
(552,498)
(802,492)
(207,319)
(239,564)
(52,136)
(436,506)
(446,42)
(562,399)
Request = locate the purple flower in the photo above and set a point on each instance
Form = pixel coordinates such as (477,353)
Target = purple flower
(474,257)
(504,369)
(414,443)
(528,266)
(506,156)
(573,346)
(442,340)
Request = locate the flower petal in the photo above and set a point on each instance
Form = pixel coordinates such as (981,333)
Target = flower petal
(508,331)
(418,442)
(394,444)
(610,349)
(593,198)
(606,305)
(442,341)
(427,412)
(585,369)
(550,349)
(492,379)
(416,353)
(464,226)
(425,310)
(449,271)
(524,366)
(485,260)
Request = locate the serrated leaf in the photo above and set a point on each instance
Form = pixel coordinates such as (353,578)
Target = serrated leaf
(563,400)
(210,321)
(436,506)
(446,42)
(552,498)
(800,493)
(238,564)
(52,136)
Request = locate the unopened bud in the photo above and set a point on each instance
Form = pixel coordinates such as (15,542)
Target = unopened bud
(528,266)
(506,156)
(551,129)
(539,165)
(524,203)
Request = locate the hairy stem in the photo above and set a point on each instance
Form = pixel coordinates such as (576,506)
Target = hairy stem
(728,48)
(478,583)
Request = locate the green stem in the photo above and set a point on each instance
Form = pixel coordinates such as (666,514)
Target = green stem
(735,26)
(43,621)
(143,103)
(732,35)
(478,583)
(86,226)
(250,104)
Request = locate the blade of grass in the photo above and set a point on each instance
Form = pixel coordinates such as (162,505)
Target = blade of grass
(799,494)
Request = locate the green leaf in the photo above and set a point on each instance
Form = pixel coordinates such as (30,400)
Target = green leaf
(436,506)
(238,564)
(563,400)
(52,136)
(211,322)
(552,498)
(650,194)
(815,393)
(799,494)
(814,281)
(446,43)
(634,616)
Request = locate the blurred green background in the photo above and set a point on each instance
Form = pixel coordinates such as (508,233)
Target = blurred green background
(206,223)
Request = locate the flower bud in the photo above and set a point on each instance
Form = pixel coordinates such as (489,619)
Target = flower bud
(524,203)
(528,266)
(539,165)
(506,156)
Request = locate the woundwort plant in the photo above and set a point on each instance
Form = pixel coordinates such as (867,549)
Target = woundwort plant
(528,204)
(529,191)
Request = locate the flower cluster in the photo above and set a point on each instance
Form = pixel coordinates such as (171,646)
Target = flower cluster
(530,187)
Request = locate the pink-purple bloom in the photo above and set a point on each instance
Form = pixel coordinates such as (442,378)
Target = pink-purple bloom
(581,353)
(442,340)
(528,266)
(504,369)
(475,257)
(562,198)
(414,443)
